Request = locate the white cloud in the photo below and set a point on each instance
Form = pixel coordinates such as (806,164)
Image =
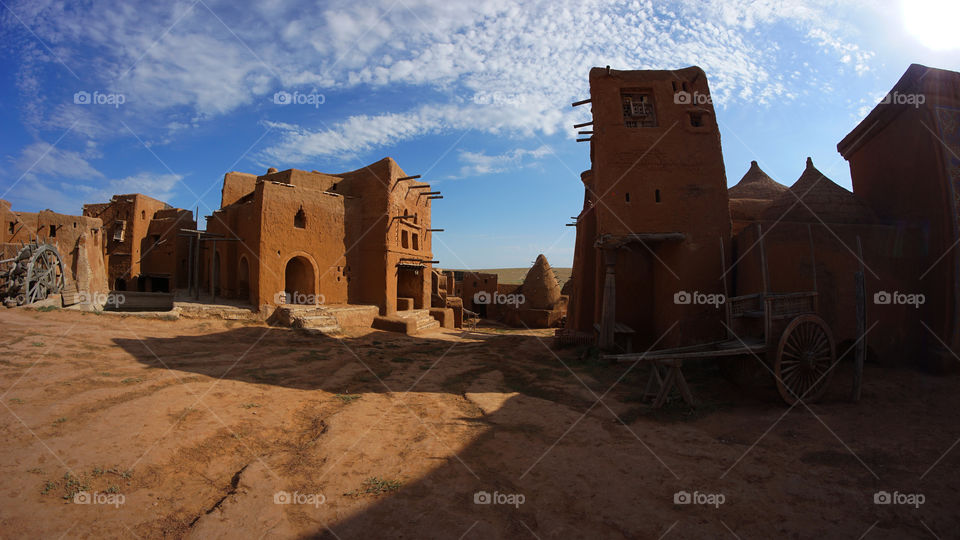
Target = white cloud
(179,60)
(158,186)
(44,159)
(479,163)
(63,180)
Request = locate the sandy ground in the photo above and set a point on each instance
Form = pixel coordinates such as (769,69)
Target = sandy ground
(205,428)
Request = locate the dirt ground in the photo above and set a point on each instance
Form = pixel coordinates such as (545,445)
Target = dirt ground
(124,427)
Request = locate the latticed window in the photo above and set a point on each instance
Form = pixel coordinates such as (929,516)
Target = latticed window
(638,109)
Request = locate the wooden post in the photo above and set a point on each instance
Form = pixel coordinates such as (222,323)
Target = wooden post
(723,267)
(813,256)
(190,266)
(726,294)
(763,260)
(213,270)
(860,289)
(609,314)
(196,269)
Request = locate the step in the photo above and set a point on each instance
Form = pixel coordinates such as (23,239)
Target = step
(413,313)
(326,324)
(315,320)
(424,321)
(427,325)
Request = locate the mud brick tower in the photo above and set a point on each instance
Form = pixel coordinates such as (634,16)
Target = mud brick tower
(655,211)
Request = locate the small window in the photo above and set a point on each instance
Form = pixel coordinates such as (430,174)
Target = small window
(696,119)
(656,195)
(13,226)
(416,241)
(74,224)
(300,220)
(155,239)
(118,228)
(333,187)
(404,240)
(53,231)
(627,197)
(143,214)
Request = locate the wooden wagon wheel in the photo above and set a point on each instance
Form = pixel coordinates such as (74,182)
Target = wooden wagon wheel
(804,360)
(44,274)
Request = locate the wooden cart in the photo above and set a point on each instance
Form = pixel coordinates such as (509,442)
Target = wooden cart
(782,330)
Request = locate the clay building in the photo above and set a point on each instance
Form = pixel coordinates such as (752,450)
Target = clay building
(305,237)
(815,235)
(905,164)
(899,225)
(655,212)
(473,288)
(535,303)
(142,249)
(78,240)
(442,296)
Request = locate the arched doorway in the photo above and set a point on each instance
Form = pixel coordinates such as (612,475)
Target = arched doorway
(243,280)
(299,281)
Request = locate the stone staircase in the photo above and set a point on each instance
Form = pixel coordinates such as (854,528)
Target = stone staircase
(424,321)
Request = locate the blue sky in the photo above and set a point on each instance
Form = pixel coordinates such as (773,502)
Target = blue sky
(475,96)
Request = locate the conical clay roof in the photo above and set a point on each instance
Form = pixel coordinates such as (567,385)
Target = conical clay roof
(756,184)
(821,200)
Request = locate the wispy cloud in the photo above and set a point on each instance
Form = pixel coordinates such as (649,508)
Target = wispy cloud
(492,67)
(44,159)
(62,180)
(480,163)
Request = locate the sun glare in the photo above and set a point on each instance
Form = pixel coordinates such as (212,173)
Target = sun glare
(934,23)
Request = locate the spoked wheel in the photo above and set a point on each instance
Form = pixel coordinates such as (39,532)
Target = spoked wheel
(805,359)
(44,274)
